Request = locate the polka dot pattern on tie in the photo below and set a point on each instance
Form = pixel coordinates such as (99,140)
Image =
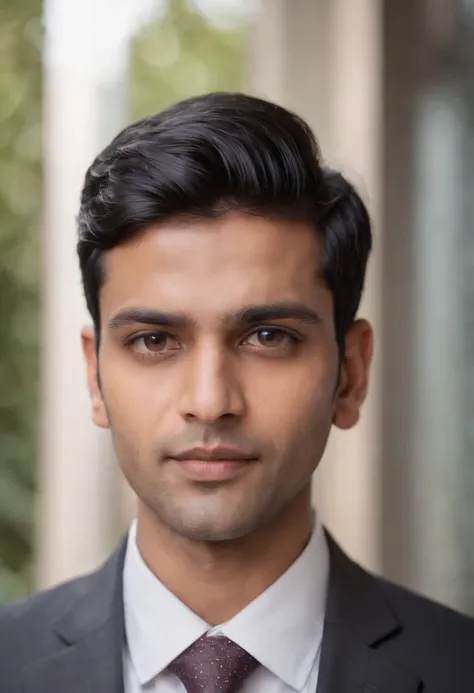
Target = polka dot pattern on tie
(213,665)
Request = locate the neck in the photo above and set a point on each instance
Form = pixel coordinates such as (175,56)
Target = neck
(217,580)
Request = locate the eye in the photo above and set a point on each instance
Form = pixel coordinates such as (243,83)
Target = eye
(271,338)
(154,343)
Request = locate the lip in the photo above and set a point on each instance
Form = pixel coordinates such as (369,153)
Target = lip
(213,463)
(217,453)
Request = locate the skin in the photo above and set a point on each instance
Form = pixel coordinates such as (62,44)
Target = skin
(222,372)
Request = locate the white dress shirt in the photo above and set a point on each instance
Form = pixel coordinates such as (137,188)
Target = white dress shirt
(282,628)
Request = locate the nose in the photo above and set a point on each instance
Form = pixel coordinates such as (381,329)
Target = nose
(210,390)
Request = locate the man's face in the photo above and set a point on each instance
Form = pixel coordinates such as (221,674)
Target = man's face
(219,370)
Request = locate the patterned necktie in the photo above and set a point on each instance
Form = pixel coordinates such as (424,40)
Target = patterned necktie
(213,665)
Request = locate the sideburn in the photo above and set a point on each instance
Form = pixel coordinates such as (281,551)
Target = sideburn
(97,349)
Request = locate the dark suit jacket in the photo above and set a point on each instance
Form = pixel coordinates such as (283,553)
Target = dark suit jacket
(377,638)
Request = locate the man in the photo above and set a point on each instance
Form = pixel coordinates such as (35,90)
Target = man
(223,268)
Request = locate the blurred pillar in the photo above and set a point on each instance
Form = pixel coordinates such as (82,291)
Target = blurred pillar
(322,58)
(351,475)
(426,137)
(85,104)
(405,63)
(290,48)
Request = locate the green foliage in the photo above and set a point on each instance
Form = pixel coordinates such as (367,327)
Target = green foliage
(179,55)
(182,55)
(20,212)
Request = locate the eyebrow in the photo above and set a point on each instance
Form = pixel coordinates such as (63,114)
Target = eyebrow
(292,310)
(251,315)
(146,316)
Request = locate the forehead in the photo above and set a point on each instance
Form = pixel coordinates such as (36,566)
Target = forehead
(213,265)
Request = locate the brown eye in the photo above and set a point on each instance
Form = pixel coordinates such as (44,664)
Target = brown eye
(270,338)
(155,343)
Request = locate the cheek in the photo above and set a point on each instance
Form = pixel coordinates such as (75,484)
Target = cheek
(129,383)
(295,403)
(136,399)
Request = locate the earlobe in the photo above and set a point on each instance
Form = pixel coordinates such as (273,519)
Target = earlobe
(346,410)
(99,411)
(354,375)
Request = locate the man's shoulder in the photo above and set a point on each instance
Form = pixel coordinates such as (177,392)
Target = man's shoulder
(31,620)
(416,609)
(431,633)
(44,605)
(409,635)
(43,610)
(367,596)
(37,630)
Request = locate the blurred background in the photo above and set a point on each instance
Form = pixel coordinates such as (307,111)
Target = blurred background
(389,89)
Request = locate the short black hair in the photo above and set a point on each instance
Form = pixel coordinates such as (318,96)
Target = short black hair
(211,154)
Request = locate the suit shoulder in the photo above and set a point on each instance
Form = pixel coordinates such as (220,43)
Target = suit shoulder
(27,629)
(40,610)
(436,637)
(434,641)
(413,607)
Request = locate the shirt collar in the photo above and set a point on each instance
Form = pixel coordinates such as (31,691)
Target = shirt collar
(282,628)
(158,625)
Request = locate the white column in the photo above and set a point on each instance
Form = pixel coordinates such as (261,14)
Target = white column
(439,448)
(85,61)
(289,51)
(351,492)
(322,59)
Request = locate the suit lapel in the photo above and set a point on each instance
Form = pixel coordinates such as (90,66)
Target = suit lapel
(359,621)
(90,639)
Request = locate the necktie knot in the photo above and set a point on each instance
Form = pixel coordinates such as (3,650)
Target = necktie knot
(213,665)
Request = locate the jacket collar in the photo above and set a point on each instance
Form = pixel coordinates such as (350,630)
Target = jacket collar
(359,622)
(90,635)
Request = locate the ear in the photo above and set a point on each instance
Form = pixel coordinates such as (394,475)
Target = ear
(99,411)
(354,376)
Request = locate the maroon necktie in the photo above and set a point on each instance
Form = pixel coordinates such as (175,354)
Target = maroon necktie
(213,665)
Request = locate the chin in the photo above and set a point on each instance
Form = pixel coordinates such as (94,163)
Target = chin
(216,536)
(198,529)
(210,518)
